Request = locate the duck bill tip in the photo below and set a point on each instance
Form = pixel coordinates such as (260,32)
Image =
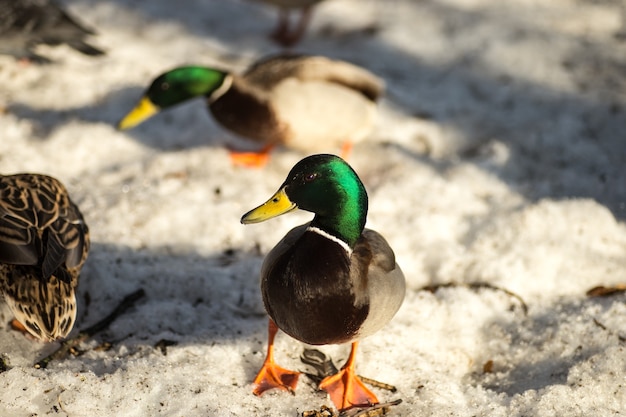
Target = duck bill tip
(278,204)
(142,111)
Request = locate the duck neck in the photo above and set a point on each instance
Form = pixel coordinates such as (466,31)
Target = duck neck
(226,84)
(347,222)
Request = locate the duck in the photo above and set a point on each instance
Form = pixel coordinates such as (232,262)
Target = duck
(303,102)
(282,34)
(328,281)
(44,242)
(24,24)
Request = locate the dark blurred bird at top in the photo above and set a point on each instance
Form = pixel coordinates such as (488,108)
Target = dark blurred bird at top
(282,34)
(24,24)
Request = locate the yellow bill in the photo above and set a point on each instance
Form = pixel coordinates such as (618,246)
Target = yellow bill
(278,204)
(142,111)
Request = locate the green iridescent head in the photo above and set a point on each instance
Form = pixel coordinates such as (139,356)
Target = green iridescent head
(327,186)
(175,87)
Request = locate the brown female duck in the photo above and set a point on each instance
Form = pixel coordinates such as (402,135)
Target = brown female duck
(44,242)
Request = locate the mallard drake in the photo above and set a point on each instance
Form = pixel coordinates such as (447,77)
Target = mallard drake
(310,103)
(24,24)
(329,281)
(44,242)
(282,34)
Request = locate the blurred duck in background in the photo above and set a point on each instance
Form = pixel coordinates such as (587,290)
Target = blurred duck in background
(24,24)
(308,103)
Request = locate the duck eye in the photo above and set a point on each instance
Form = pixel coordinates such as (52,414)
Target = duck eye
(165,86)
(310,177)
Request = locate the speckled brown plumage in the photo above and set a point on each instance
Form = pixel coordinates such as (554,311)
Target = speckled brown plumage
(44,242)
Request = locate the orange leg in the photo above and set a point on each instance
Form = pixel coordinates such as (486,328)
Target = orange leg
(251,159)
(17,326)
(271,375)
(346,149)
(346,389)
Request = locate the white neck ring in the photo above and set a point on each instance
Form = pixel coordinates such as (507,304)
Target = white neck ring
(328,236)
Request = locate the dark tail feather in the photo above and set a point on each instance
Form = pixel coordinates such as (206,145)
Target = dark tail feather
(85,48)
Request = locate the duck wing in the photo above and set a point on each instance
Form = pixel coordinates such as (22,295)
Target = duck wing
(376,277)
(269,72)
(39,224)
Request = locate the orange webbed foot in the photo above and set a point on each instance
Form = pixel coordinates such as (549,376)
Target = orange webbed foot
(273,376)
(347,391)
(251,159)
(345,388)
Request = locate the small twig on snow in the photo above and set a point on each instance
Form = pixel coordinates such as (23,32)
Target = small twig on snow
(477,286)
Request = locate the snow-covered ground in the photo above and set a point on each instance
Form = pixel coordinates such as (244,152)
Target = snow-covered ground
(500,159)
